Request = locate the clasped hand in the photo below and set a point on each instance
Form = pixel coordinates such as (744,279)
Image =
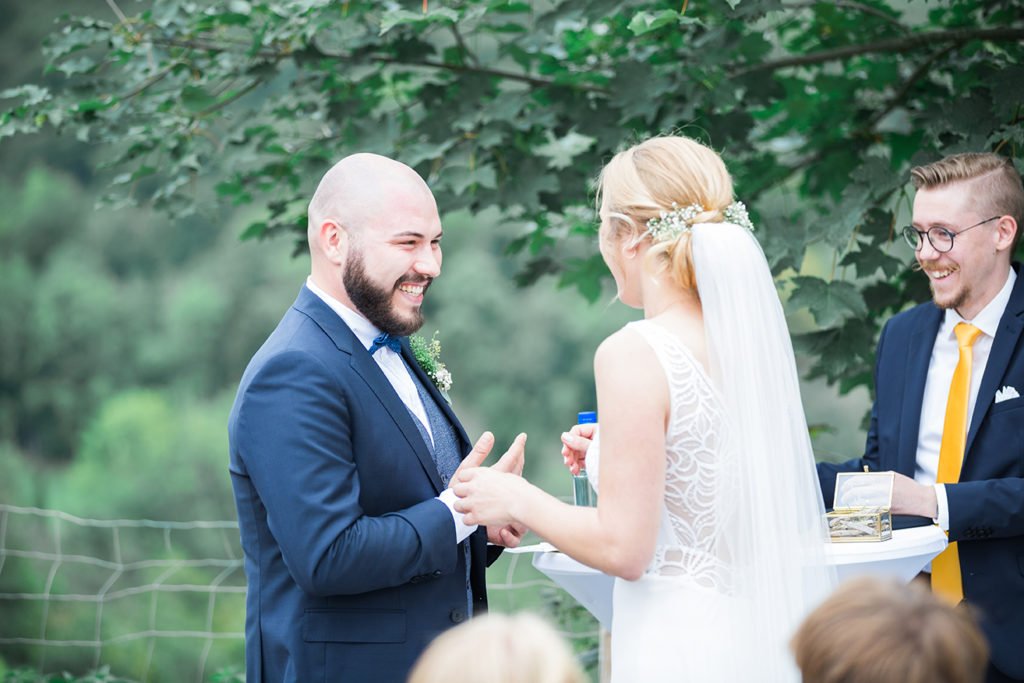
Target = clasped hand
(510,464)
(496,498)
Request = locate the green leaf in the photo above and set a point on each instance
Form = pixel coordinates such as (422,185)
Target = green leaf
(510,7)
(1009,84)
(882,296)
(585,275)
(462,178)
(560,152)
(645,22)
(195,99)
(419,20)
(94,104)
(140,172)
(828,302)
(425,151)
(30,94)
(844,353)
(869,259)
(254,230)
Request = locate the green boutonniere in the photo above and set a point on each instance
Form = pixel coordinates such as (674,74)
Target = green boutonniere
(428,355)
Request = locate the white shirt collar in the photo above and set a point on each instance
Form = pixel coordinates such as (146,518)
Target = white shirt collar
(988,318)
(364,330)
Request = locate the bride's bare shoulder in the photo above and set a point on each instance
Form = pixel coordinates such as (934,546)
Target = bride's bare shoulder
(629,376)
(625,351)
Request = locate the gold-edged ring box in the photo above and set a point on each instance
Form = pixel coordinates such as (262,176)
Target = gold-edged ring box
(861,508)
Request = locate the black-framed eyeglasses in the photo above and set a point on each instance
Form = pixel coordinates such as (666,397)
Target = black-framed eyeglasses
(941,239)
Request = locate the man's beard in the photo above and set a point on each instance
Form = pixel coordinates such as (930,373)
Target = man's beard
(375,302)
(954,300)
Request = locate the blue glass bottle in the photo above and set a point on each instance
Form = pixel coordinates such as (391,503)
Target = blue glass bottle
(582,493)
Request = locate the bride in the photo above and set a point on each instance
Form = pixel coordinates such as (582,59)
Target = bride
(709,510)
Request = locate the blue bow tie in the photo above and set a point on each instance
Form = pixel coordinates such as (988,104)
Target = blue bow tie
(387,340)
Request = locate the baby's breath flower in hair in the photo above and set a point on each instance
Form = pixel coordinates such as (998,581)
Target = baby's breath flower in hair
(671,224)
(736,213)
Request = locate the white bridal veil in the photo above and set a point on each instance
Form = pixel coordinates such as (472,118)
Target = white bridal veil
(770,506)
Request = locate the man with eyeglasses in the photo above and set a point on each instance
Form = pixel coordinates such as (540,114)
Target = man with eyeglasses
(948,416)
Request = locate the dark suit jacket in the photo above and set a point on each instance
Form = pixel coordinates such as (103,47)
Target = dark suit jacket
(986,509)
(351,562)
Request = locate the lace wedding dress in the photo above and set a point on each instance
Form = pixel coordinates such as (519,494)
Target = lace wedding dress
(739,558)
(674,624)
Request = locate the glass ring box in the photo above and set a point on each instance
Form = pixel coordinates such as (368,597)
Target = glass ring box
(861,507)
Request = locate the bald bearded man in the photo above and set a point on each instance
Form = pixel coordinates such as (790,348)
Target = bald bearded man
(342,450)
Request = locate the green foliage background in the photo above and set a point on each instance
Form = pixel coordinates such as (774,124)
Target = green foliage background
(127,322)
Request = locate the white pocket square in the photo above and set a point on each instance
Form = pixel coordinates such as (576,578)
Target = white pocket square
(1006,393)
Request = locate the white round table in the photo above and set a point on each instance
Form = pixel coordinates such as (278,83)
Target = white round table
(902,557)
(590,587)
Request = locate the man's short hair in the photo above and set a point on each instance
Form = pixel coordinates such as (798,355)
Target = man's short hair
(997,184)
(875,631)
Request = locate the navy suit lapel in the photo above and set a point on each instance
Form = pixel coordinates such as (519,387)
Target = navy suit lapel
(440,400)
(367,368)
(364,366)
(918,358)
(1007,335)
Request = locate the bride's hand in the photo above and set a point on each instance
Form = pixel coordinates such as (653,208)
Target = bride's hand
(575,443)
(488,497)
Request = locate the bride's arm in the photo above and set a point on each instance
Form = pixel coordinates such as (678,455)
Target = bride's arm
(619,536)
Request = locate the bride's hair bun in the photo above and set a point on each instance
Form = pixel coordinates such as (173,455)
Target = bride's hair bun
(642,183)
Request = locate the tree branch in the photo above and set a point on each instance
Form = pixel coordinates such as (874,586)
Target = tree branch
(248,87)
(866,129)
(790,171)
(859,6)
(151,81)
(383,59)
(486,71)
(470,57)
(117,12)
(901,94)
(904,44)
(195,44)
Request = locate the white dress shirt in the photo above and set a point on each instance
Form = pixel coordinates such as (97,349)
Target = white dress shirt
(394,368)
(945,356)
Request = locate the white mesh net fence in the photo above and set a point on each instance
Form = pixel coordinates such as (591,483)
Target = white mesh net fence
(150,599)
(165,601)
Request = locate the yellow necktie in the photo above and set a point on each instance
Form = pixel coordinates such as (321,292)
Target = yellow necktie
(946,579)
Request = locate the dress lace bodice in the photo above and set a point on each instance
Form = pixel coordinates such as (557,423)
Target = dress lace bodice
(688,538)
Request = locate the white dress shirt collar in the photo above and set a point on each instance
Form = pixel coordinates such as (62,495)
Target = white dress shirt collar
(364,330)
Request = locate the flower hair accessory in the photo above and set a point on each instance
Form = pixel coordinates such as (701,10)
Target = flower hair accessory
(671,224)
(428,355)
(736,213)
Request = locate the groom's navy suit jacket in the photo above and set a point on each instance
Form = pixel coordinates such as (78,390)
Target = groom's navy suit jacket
(986,509)
(351,562)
